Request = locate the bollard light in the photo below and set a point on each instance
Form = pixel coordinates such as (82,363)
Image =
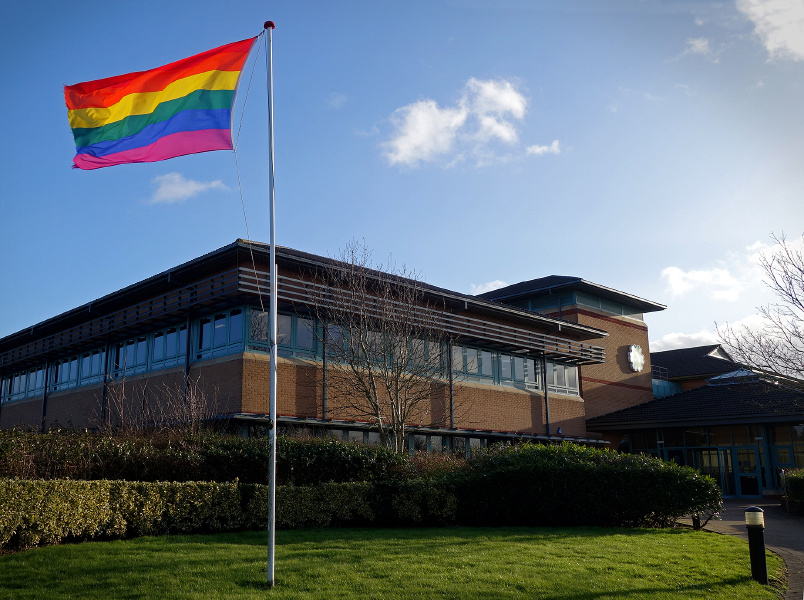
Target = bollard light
(754,517)
(755,523)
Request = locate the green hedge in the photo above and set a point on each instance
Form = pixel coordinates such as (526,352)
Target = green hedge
(171,457)
(573,485)
(38,512)
(795,484)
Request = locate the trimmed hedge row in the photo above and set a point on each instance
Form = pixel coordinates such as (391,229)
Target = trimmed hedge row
(533,484)
(521,485)
(171,457)
(795,484)
(39,512)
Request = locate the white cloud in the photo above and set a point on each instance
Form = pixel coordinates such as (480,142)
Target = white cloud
(779,24)
(719,283)
(672,341)
(486,116)
(554,148)
(174,187)
(732,275)
(701,47)
(336,100)
(423,131)
(487,287)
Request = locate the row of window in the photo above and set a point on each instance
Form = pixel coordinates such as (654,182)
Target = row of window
(225,333)
(513,370)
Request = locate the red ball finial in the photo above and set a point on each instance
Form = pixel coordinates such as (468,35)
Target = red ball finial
(269,24)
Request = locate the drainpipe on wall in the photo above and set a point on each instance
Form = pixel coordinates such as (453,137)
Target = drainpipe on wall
(546,393)
(324,400)
(187,349)
(44,396)
(451,387)
(104,398)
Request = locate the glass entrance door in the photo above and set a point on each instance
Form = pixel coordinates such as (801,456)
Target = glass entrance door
(717,463)
(748,472)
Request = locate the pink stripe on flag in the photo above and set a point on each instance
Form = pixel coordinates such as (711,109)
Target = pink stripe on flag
(169,146)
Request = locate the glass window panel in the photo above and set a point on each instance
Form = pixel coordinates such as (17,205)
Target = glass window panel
(120,356)
(643,440)
(219,330)
(304,333)
(797,433)
(434,354)
(457,358)
(131,354)
(284,324)
(471,360)
(695,437)
(673,437)
(171,342)
(259,326)
(486,364)
(40,378)
(335,337)
(783,456)
(519,368)
(720,435)
(95,368)
(142,351)
(572,378)
(159,346)
(798,451)
(205,334)
(740,433)
(781,434)
(561,380)
(86,365)
(530,367)
(551,373)
(506,371)
(182,340)
(235,326)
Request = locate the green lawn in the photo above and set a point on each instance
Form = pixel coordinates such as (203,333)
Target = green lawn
(465,563)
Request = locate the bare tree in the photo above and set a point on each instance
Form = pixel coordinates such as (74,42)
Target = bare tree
(136,406)
(777,347)
(387,361)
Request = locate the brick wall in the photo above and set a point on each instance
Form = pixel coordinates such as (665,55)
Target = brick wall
(613,385)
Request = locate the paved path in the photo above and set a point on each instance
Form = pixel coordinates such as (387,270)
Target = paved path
(784,535)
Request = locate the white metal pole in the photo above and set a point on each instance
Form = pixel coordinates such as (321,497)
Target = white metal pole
(269,27)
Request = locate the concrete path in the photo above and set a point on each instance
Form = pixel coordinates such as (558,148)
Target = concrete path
(784,535)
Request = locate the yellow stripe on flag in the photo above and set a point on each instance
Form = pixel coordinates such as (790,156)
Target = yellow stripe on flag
(144,103)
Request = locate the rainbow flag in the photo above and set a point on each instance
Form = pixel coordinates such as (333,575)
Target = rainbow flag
(181,108)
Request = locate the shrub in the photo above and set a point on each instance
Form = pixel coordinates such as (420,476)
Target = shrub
(182,457)
(48,511)
(795,484)
(574,485)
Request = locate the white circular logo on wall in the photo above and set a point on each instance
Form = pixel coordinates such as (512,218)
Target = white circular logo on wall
(635,358)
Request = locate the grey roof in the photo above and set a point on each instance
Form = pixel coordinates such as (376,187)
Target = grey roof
(239,252)
(684,363)
(742,400)
(557,283)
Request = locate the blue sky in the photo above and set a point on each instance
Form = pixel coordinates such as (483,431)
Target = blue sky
(649,146)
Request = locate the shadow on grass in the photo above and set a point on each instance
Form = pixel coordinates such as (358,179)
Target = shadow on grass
(468,534)
(647,591)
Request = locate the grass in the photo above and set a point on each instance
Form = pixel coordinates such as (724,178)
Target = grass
(465,563)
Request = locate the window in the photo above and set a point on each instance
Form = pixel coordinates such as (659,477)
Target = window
(295,335)
(220,334)
(92,366)
(168,347)
(66,373)
(562,379)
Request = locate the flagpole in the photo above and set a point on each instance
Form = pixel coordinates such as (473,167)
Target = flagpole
(269,27)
